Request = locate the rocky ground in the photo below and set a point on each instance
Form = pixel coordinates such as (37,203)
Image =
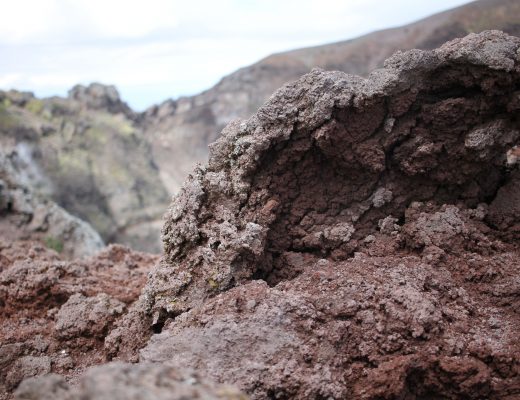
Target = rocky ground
(55,314)
(355,238)
(116,168)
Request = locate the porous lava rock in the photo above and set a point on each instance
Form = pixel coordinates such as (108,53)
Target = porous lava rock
(356,237)
(392,322)
(331,155)
(55,314)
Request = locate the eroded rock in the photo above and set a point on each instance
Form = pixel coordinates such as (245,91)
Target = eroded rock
(303,305)
(320,155)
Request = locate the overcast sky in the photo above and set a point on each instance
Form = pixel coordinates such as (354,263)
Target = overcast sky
(156,49)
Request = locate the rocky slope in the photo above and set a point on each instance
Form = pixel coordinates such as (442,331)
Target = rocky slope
(55,314)
(25,214)
(181,130)
(355,238)
(87,153)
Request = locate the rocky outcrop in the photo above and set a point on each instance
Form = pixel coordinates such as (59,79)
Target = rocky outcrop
(55,314)
(181,130)
(331,155)
(350,226)
(87,154)
(101,97)
(25,214)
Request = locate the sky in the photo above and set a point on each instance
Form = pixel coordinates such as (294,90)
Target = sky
(158,49)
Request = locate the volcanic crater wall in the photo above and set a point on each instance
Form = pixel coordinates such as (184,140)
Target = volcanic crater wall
(329,157)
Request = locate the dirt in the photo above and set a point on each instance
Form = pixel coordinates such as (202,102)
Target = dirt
(355,238)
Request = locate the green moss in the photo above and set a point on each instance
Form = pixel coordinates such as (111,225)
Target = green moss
(34,106)
(7,120)
(77,160)
(5,103)
(213,284)
(116,123)
(54,244)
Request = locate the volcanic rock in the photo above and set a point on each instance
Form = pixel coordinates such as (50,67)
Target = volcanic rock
(55,314)
(25,214)
(343,241)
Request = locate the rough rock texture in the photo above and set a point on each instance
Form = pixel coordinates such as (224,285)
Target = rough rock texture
(389,323)
(180,130)
(329,156)
(119,381)
(356,219)
(54,314)
(25,214)
(88,154)
(116,168)
(355,238)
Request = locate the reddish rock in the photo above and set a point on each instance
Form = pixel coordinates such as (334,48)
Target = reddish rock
(55,314)
(355,238)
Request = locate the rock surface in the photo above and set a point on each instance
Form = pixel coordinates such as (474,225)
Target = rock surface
(24,214)
(55,314)
(350,227)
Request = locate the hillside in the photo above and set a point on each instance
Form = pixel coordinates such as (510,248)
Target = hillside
(88,154)
(179,131)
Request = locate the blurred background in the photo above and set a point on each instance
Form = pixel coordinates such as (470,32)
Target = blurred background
(106,106)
